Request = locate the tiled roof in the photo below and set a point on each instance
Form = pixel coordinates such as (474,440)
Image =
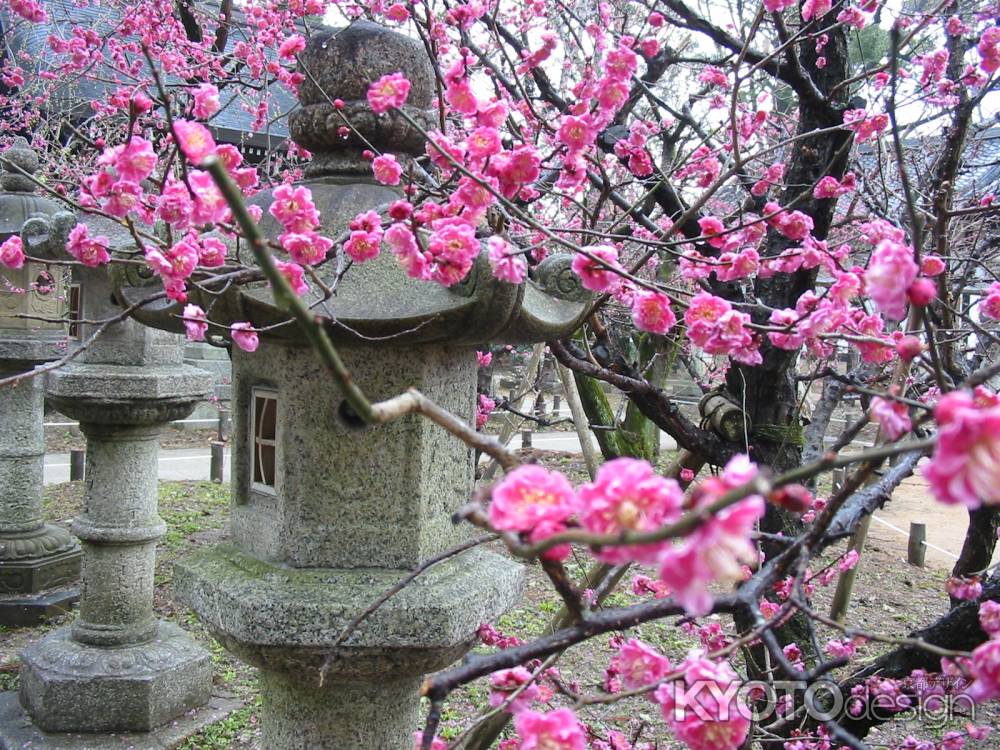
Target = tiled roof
(231,124)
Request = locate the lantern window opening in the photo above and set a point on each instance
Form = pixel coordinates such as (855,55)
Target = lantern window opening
(264,439)
(75,304)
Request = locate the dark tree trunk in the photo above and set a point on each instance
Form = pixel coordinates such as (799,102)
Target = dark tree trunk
(980,542)
(958,630)
(769,391)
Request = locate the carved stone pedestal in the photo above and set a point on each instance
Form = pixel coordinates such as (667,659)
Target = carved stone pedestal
(39,563)
(118,668)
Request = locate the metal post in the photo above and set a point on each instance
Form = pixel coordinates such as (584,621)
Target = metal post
(223,430)
(218,457)
(838,478)
(525,438)
(77,464)
(916,548)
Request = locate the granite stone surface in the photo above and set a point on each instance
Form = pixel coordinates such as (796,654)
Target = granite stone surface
(67,686)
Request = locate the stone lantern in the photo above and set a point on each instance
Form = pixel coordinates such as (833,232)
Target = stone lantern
(117,668)
(38,562)
(327,515)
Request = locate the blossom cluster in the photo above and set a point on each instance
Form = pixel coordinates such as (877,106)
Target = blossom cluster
(628,497)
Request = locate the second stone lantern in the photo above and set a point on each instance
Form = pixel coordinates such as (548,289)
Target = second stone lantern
(327,516)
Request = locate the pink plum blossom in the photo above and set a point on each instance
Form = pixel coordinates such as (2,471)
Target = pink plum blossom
(909,347)
(388,92)
(528,495)
(507,262)
(484,407)
(985,669)
(794,225)
(651,312)
(483,142)
(865,128)
(363,246)
(714,551)
(628,496)
(121,198)
(195,323)
(452,248)
(436,742)
(211,252)
(786,339)
(295,276)
(291,46)
(831,187)
(597,277)
(91,251)
(639,665)
(840,648)
(12,252)
(965,465)
(701,718)
(576,133)
(505,682)
(386,169)
(135,160)
(293,206)
(711,227)
(989,618)
(194,140)
(555,730)
(206,101)
(461,98)
(397,12)
(931,265)
(892,416)
(991,304)
(403,245)
(989,49)
(306,248)
(922,292)
(244,336)
(848,561)
(966,589)
(718,329)
(29,10)
(815,9)
(177,261)
(890,272)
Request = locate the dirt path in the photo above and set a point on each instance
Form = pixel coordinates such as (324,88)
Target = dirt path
(946,524)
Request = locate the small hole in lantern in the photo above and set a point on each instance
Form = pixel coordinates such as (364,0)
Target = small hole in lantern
(45,283)
(349,417)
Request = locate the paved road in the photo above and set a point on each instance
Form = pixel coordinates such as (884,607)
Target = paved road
(946,525)
(193,463)
(177,464)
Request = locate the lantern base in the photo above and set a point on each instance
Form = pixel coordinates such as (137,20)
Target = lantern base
(17,731)
(31,610)
(73,687)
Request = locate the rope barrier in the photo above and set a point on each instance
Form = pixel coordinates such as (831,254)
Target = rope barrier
(907,535)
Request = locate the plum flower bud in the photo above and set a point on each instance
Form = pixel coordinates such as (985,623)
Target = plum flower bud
(792,497)
(139,104)
(922,292)
(909,347)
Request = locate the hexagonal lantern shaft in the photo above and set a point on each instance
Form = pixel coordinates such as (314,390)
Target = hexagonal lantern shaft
(39,563)
(116,667)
